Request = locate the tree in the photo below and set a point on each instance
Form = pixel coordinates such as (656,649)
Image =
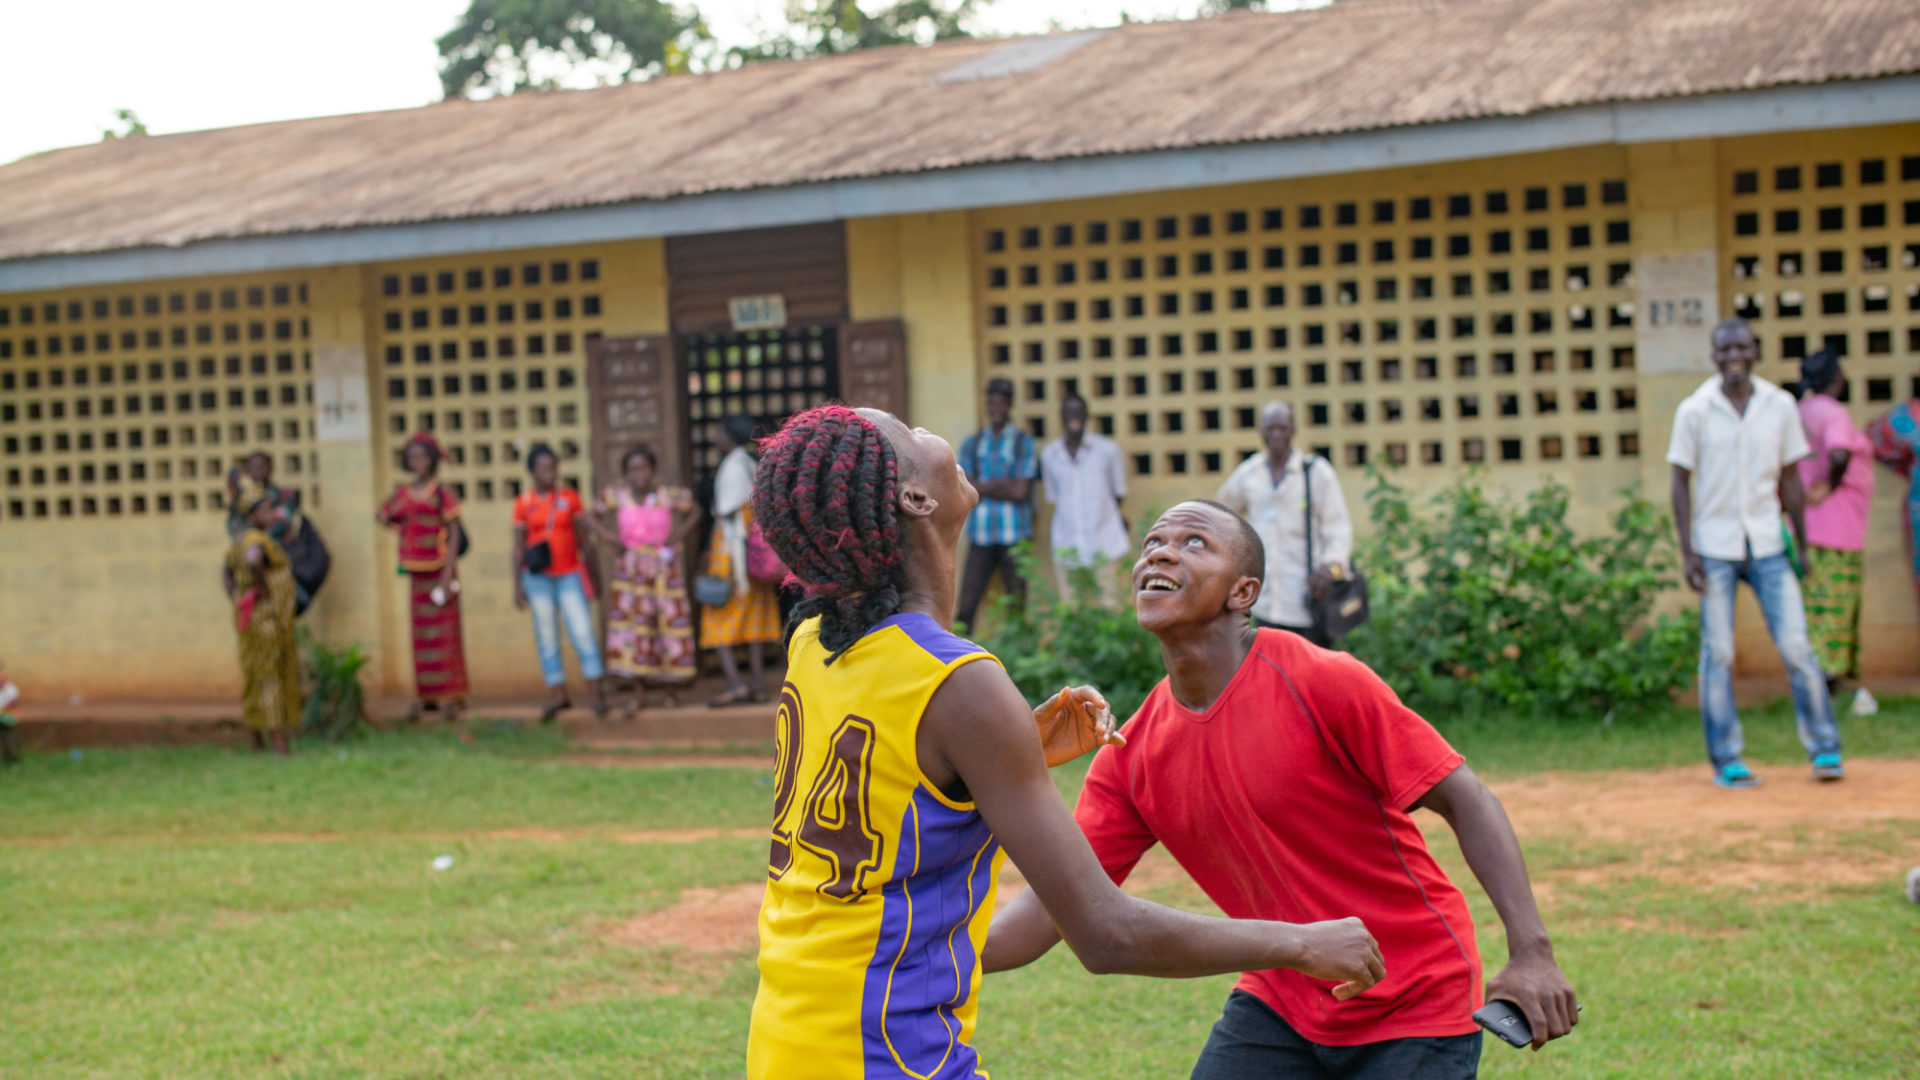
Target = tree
(822,27)
(500,46)
(130,126)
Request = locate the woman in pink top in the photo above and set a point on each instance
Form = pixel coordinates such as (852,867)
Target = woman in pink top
(1838,477)
(649,619)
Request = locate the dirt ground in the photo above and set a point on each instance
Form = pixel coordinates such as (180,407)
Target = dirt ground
(1792,835)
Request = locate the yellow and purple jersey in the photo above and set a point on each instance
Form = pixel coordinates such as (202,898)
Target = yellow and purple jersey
(879,887)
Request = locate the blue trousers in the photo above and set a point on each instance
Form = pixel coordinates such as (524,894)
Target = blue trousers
(562,599)
(1778,591)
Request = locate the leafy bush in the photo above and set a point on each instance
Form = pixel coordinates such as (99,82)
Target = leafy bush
(1058,641)
(1479,603)
(336,704)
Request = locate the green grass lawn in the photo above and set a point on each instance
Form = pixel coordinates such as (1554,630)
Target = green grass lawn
(201,913)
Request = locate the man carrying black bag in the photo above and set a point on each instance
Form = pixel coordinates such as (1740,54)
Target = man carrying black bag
(1294,503)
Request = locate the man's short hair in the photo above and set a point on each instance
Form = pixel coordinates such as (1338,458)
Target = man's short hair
(1003,387)
(1252,560)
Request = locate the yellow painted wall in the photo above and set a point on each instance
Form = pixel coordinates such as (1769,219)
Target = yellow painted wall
(121,408)
(1178,314)
(916,268)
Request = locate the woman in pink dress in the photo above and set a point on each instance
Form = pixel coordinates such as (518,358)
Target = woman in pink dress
(649,617)
(1838,477)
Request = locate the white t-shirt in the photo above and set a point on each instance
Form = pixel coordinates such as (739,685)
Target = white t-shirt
(1736,461)
(1085,490)
(1278,512)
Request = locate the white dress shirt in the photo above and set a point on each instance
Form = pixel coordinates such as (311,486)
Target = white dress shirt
(1278,513)
(1085,490)
(1736,460)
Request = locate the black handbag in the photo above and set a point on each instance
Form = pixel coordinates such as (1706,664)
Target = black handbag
(310,561)
(538,558)
(1343,608)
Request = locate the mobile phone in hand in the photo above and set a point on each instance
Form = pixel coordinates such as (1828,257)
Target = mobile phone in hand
(1506,1022)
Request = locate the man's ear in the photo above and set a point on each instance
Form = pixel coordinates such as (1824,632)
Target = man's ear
(1241,597)
(916,501)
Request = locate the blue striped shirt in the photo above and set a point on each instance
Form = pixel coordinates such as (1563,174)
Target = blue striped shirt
(1006,456)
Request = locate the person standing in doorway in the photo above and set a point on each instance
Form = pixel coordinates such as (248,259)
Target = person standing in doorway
(426,514)
(1085,480)
(1271,491)
(649,617)
(551,577)
(751,615)
(1001,462)
(1838,478)
(1739,434)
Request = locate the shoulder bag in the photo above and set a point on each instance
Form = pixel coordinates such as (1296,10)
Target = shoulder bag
(1344,606)
(539,557)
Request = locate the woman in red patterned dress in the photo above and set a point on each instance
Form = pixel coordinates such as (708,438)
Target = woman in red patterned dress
(427,516)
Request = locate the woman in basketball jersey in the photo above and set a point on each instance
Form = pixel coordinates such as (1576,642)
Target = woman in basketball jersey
(907,761)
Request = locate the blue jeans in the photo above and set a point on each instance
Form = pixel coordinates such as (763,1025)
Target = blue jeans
(1778,591)
(552,600)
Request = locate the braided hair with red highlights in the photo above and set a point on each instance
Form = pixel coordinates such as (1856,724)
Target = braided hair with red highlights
(826,499)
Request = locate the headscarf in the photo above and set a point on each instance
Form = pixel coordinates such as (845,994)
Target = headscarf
(426,439)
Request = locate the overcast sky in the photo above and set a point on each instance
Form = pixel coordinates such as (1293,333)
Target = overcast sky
(188,65)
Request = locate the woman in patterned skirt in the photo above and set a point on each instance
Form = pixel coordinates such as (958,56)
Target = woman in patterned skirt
(752,616)
(427,516)
(259,582)
(649,618)
(1838,478)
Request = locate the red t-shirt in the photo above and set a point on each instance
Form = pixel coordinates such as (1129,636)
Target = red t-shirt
(535,511)
(1300,815)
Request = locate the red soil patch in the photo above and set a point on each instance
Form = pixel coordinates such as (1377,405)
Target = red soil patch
(703,921)
(1675,826)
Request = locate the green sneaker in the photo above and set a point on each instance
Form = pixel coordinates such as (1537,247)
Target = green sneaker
(1735,774)
(1827,767)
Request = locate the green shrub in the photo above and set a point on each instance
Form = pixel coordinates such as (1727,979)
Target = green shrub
(1487,604)
(336,704)
(1060,641)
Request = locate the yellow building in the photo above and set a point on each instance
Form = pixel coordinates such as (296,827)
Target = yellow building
(1471,232)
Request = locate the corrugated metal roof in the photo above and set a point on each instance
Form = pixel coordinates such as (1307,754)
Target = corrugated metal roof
(1358,65)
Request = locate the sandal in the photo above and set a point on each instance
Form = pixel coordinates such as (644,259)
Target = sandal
(553,711)
(732,697)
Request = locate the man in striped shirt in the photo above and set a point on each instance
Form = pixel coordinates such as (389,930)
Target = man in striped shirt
(1001,462)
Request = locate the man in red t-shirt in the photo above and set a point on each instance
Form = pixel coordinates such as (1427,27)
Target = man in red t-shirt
(1282,777)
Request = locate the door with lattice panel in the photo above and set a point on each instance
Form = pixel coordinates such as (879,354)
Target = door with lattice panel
(763,375)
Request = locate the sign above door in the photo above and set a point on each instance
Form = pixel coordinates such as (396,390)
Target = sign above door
(765,312)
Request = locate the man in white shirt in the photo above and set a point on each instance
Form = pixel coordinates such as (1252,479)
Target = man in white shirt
(1085,480)
(1739,435)
(1271,490)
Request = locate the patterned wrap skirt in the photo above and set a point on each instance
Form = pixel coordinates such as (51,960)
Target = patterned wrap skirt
(439,652)
(1832,591)
(650,618)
